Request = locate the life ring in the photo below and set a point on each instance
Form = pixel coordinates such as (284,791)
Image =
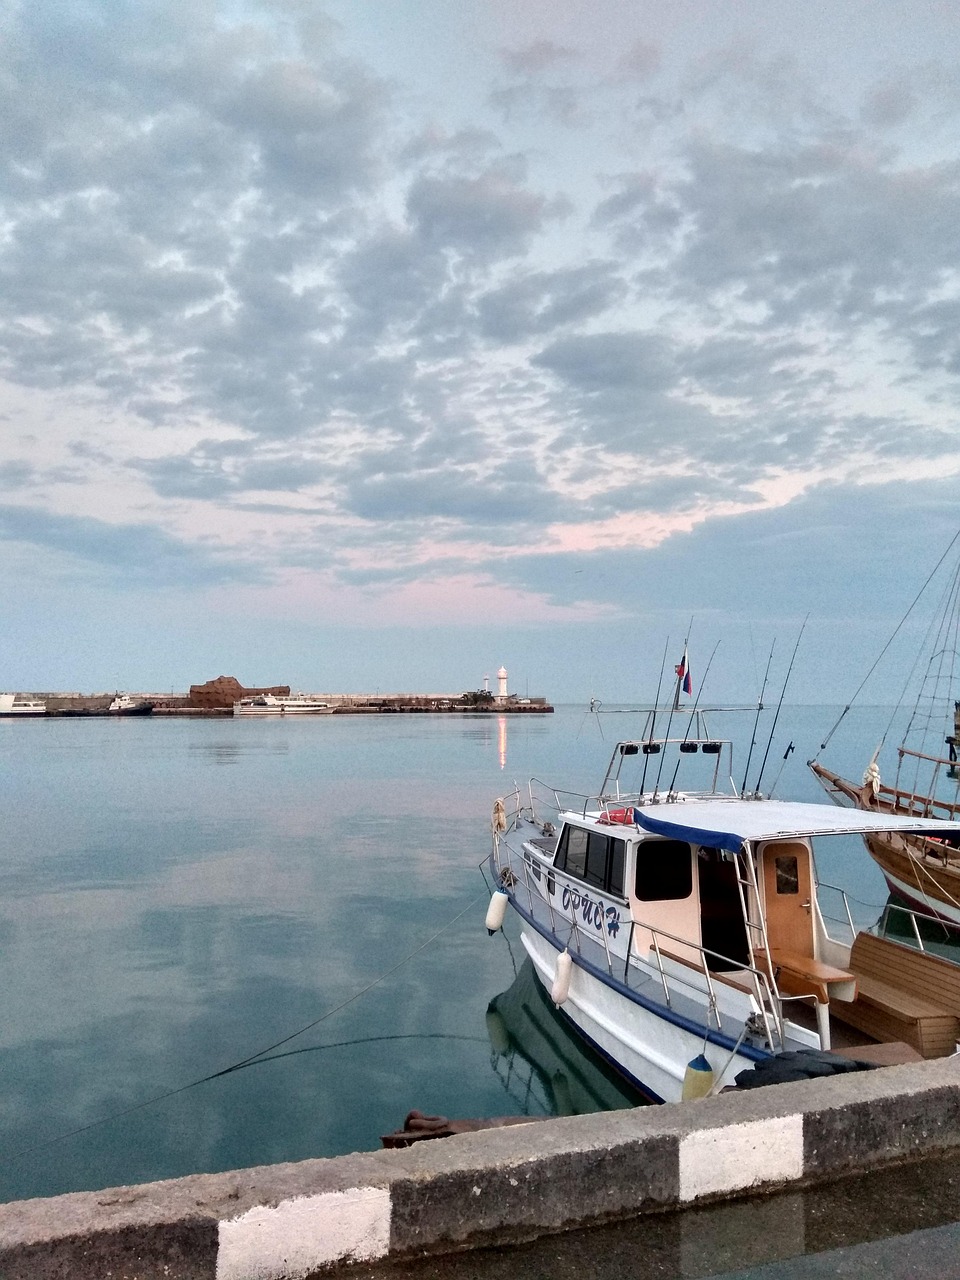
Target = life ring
(618,815)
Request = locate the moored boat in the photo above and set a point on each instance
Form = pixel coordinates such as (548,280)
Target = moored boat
(15,704)
(681,933)
(268,704)
(923,871)
(125,705)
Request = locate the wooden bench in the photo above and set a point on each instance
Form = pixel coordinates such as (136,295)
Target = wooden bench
(800,975)
(904,994)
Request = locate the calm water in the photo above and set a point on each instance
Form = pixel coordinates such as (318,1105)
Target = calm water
(179,895)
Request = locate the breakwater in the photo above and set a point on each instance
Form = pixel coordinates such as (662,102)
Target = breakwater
(180,704)
(495,1187)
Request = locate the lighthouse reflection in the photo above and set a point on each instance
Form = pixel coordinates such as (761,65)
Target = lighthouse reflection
(502,740)
(544,1067)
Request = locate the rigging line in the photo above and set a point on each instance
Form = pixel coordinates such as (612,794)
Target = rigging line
(252,1058)
(890,641)
(945,611)
(783,694)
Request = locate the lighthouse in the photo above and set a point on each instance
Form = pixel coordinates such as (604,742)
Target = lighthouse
(502,685)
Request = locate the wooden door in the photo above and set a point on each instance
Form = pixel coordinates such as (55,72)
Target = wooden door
(788,896)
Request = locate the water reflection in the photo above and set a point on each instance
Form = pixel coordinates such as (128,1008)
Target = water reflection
(231,752)
(544,1067)
(502,740)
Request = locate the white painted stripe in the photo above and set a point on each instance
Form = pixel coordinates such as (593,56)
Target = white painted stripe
(297,1236)
(741,1155)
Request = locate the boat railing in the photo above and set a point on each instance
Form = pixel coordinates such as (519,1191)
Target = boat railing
(843,903)
(923,804)
(894,912)
(762,988)
(589,927)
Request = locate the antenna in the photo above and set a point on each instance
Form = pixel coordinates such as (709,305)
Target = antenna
(756,722)
(776,717)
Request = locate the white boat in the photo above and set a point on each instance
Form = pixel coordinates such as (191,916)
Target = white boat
(15,704)
(267,704)
(681,932)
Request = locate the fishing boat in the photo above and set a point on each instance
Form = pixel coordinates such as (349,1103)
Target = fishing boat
(126,705)
(267,704)
(922,871)
(680,931)
(15,704)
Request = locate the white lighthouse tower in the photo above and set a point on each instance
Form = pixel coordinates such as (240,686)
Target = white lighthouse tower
(501,685)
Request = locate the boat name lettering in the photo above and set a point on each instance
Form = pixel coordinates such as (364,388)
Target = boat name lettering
(592,912)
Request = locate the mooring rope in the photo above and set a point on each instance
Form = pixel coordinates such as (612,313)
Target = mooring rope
(251,1059)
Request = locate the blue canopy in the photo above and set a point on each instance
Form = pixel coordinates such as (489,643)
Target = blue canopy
(728,823)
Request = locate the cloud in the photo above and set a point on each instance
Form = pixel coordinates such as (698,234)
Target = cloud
(136,555)
(321,319)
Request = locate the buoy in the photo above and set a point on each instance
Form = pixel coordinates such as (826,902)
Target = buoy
(496,911)
(561,979)
(697,1079)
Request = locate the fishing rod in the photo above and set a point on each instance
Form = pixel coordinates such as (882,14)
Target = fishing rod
(776,717)
(681,670)
(756,722)
(693,709)
(653,720)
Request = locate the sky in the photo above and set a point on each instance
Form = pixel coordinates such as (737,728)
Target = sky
(372,345)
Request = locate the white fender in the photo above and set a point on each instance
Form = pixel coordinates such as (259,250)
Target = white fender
(561,981)
(496,911)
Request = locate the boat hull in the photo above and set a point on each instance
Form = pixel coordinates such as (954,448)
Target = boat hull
(925,873)
(647,1046)
(925,884)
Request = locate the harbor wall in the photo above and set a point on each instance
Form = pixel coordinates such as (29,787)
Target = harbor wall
(499,1185)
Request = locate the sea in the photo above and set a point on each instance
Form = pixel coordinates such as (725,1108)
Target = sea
(228,943)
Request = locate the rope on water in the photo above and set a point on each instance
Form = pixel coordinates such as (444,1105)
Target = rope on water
(251,1058)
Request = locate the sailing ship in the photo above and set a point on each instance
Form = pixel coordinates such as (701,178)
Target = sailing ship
(922,871)
(680,932)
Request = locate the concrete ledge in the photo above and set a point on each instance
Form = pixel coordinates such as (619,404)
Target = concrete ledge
(282,1222)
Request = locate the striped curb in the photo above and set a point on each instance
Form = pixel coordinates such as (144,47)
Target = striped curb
(283,1222)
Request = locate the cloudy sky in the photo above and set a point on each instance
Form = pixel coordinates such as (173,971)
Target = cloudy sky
(374,343)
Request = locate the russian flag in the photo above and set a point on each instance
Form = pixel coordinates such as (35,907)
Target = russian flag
(683,673)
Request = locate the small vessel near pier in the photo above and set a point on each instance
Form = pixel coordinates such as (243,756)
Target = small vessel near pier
(126,705)
(17,705)
(681,933)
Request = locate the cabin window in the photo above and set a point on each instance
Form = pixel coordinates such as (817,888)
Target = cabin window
(594,857)
(664,870)
(788,875)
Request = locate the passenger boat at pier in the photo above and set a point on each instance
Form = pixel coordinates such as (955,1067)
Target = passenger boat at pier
(267,704)
(681,932)
(15,704)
